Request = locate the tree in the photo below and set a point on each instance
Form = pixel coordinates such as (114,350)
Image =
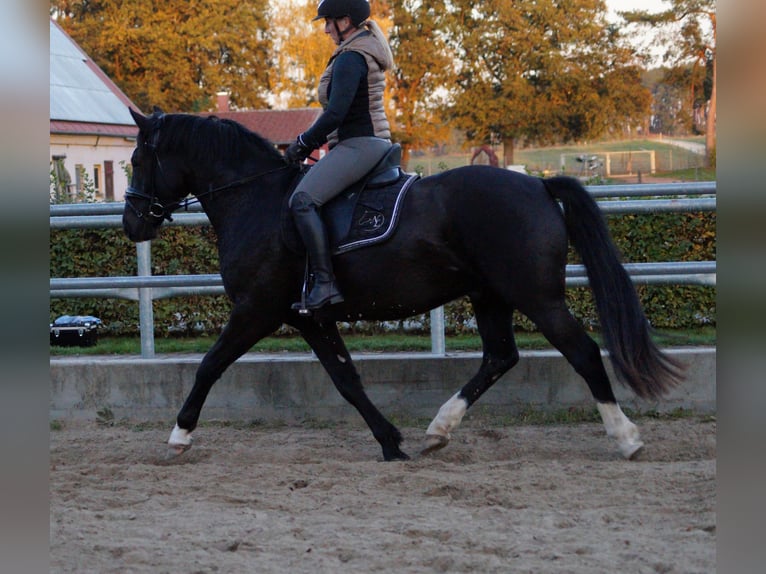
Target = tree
(301,51)
(544,71)
(676,109)
(696,44)
(423,68)
(176,54)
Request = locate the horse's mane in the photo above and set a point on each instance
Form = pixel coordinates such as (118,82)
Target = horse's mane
(207,138)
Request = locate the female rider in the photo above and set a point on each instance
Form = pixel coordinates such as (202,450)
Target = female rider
(354,125)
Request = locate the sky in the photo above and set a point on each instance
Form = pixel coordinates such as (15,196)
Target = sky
(651,6)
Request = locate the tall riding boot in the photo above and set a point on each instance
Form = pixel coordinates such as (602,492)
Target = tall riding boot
(312,231)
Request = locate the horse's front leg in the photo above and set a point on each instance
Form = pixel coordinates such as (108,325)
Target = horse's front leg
(325,340)
(245,328)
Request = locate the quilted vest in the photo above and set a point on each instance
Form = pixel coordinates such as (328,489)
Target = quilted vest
(367,45)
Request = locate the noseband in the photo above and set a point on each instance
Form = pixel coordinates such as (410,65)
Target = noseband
(156,212)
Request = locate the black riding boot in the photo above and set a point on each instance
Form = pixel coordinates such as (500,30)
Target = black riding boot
(312,231)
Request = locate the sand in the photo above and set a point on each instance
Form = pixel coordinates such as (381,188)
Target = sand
(318,498)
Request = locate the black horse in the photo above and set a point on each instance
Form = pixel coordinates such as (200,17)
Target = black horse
(498,236)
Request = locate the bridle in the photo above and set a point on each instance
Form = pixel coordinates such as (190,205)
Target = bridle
(157,212)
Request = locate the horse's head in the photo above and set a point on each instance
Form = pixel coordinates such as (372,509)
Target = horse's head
(155,188)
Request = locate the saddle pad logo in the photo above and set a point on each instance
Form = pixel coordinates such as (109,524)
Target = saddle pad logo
(371,221)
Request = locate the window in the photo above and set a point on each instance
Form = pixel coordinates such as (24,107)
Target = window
(97,179)
(108,180)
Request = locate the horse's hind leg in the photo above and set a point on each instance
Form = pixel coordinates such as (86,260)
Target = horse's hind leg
(495,322)
(582,352)
(331,351)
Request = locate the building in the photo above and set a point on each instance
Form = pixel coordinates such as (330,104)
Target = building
(92,134)
(280,127)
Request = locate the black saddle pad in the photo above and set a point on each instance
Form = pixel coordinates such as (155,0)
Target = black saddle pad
(357,217)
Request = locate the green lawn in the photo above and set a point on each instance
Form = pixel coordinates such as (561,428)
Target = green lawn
(669,158)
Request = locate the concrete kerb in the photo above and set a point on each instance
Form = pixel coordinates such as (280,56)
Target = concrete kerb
(292,387)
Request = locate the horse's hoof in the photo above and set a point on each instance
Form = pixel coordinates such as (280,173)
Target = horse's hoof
(434,442)
(398,455)
(632,450)
(179,442)
(175,450)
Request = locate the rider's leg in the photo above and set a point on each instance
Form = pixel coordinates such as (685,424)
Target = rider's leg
(312,231)
(346,163)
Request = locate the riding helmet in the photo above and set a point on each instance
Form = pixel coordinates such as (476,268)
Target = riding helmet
(357,10)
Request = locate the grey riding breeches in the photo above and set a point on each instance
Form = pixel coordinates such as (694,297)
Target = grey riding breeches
(344,164)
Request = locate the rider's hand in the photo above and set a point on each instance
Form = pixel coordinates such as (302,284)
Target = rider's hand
(297,151)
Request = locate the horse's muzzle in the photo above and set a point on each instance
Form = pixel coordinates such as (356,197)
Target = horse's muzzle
(138,229)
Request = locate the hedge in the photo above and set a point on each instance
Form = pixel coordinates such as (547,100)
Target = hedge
(191,250)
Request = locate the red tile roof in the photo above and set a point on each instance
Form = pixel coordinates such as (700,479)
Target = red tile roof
(281,127)
(90,128)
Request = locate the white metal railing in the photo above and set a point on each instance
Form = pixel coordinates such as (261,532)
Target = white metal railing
(144,287)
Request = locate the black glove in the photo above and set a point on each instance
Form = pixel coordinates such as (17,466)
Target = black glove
(297,151)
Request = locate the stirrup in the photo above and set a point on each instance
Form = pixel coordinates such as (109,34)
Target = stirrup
(303,308)
(300,306)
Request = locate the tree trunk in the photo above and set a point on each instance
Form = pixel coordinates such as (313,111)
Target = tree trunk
(405,156)
(710,131)
(507,151)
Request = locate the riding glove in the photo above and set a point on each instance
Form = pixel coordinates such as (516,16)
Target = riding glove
(297,151)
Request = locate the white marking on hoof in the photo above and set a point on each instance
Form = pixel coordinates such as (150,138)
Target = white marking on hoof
(434,442)
(180,440)
(449,416)
(619,427)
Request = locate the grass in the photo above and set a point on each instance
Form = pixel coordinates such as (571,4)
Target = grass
(672,161)
(691,174)
(388,343)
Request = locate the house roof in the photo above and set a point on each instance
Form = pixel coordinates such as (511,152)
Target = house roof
(82,98)
(281,127)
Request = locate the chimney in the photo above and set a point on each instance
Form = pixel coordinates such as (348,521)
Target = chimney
(222,102)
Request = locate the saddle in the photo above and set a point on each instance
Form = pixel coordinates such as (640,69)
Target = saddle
(363,214)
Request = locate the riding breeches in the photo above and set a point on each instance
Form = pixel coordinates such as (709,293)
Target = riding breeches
(344,164)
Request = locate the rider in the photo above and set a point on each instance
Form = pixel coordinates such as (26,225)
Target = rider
(353,123)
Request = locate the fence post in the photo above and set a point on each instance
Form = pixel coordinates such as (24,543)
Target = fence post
(437,331)
(145,309)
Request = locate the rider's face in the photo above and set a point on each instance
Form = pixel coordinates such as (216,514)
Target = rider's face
(332,27)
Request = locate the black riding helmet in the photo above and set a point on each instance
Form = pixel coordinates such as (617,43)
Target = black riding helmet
(357,10)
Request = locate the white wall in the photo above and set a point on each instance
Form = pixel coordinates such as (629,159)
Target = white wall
(92,151)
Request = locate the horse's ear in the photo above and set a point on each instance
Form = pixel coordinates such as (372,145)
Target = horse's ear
(157,110)
(141,120)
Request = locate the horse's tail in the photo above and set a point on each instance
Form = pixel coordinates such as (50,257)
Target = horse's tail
(625,329)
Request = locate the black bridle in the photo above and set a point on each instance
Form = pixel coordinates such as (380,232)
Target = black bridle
(159,212)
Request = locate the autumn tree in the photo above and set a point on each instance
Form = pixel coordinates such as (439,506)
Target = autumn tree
(176,54)
(677,109)
(695,43)
(424,65)
(301,51)
(541,71)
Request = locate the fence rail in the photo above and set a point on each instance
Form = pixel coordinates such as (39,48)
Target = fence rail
(144,287)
